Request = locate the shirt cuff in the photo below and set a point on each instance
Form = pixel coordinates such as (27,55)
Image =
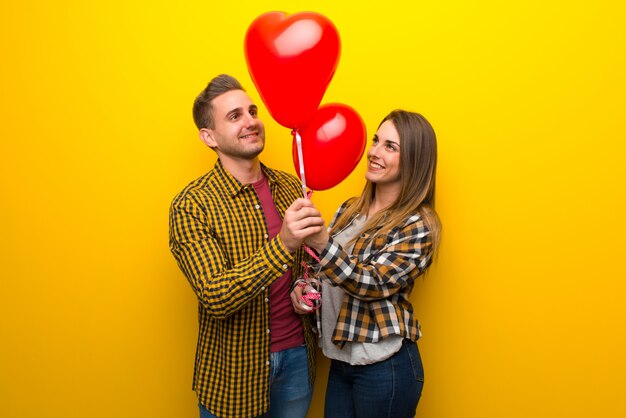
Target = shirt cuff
(330,253)
(279,259)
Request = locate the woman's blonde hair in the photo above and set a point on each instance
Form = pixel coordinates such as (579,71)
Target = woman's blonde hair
(418,166)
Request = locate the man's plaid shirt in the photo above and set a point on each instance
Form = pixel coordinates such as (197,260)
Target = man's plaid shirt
(378,280)
(219,238)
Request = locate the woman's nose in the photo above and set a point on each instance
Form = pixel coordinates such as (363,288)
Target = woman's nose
(372,151)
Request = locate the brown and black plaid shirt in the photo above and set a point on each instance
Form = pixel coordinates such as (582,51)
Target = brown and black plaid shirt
(378,278)
(219,238)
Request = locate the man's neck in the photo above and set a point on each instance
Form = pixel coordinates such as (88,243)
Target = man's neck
(244,170)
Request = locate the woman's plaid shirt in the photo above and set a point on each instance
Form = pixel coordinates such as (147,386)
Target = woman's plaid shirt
(219,238)
(378,280)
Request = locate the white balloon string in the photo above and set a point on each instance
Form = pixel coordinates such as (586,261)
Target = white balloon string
(301,161)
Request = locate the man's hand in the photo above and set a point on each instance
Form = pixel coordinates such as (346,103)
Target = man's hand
(301,220)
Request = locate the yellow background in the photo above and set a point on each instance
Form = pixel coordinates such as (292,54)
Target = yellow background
(522,313)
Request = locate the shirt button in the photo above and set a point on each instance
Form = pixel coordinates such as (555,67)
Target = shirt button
(257,207)
(266,236)
(267,300)
(262,287)
(267,331)
(285,266)
(267,363)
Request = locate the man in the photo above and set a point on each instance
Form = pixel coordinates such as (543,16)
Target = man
(255,355)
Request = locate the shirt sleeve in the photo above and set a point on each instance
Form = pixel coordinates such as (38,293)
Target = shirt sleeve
(400,259)
(220,288)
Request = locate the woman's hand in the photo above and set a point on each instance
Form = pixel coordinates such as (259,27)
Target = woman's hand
(318,240)
(296,298)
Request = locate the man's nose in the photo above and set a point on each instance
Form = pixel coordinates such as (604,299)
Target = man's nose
(249,120)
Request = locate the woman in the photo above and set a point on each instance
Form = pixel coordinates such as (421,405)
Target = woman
(379,244)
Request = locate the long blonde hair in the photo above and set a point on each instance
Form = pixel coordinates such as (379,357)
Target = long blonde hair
(418,166)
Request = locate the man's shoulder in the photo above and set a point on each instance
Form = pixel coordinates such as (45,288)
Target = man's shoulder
(202,186)
(284,177)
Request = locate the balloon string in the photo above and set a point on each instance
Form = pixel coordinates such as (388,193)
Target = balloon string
(307,194)
(311,295)
(300,160)
(308,249)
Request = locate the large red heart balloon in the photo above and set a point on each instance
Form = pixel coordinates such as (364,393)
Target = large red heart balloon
(291,60)
(333,143)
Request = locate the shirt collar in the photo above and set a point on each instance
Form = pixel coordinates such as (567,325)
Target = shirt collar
(232,186)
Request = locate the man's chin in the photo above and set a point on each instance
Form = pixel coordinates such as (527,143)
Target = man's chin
(253,153)
(249,152)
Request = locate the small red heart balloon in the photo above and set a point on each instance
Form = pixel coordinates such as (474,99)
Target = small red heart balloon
(333,143)
(291,60)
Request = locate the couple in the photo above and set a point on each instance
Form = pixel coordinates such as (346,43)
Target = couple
(237,235)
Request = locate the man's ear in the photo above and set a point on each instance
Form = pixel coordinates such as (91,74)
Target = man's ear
(206,135)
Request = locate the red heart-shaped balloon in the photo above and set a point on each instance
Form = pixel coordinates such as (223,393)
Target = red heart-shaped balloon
(333,143)
(291,60)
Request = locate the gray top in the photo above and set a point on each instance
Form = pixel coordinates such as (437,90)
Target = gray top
(332,298)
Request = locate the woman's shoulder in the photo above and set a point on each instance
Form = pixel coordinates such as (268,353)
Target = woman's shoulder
(346,204)
(412,224)
(340,210)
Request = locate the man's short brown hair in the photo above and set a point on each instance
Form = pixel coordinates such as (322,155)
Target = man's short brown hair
(203,105)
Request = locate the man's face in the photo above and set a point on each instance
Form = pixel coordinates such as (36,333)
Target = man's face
(238,133)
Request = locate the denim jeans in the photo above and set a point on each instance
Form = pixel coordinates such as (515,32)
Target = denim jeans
(290,390)
(388,389)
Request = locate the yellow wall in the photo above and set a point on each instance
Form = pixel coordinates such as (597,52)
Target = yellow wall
(523,313)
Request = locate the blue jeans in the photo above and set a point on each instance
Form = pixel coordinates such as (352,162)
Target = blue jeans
(388,389)
(290,390)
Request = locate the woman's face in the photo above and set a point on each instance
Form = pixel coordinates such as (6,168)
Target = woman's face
(383,157)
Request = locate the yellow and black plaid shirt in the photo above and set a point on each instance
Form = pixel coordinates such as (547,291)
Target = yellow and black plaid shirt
(219,238)
(378,278)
